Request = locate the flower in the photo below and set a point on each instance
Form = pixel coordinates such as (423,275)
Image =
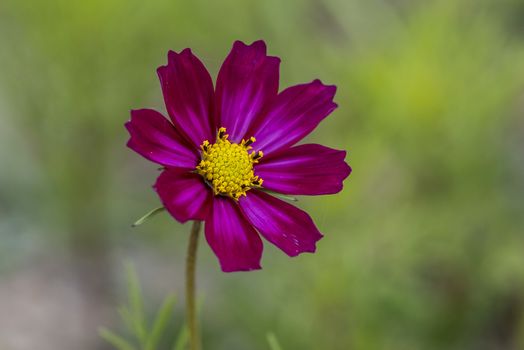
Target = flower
(227,148)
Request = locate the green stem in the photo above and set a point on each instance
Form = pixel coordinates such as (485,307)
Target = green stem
(194,341)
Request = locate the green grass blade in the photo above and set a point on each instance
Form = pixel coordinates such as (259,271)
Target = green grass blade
(127,319)
(115,340)
(161,321)
(273,342)
(136,306)
(182,339)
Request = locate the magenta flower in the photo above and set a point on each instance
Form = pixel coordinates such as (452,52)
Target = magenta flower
(226,148)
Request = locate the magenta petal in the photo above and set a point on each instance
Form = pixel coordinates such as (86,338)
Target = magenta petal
(183,194)
(304,170)
(248,79)
(234,241)
(293,114)
(156,139)
(284,225)
(189,96)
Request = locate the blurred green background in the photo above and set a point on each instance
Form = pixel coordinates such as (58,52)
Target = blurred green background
(424,248)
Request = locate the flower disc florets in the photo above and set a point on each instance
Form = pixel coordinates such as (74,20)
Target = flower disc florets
(228,167)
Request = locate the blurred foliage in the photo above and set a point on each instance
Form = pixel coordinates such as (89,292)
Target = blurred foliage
(423,248)
(133,317)
(273,342)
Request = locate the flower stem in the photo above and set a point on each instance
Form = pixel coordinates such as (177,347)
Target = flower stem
(194,341)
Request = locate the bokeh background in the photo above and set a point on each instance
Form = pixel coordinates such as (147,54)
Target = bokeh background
(423,249)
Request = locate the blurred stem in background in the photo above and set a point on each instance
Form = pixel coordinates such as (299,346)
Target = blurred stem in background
(194,339)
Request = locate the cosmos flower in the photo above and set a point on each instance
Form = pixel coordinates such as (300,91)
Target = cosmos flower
(228,147)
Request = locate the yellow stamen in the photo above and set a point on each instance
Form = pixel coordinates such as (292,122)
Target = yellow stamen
(228,167)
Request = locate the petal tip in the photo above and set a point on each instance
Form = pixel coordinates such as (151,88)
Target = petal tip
(313,248)
(186,52)
(274,60)
(173,57)
(230,268)
(161,71)
(348,170)
(130,144)
(257,47)
(136,113)
(259,44)
(330,89)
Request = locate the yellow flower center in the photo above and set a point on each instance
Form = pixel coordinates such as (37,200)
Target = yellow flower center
(228,167)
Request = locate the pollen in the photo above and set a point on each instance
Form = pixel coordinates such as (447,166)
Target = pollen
(228,167)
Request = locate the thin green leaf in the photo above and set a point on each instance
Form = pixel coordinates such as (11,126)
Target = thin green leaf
(126,317)
(115,340)
(273,342)
(136,305)
(148,215)
(182,339)
(161,321)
